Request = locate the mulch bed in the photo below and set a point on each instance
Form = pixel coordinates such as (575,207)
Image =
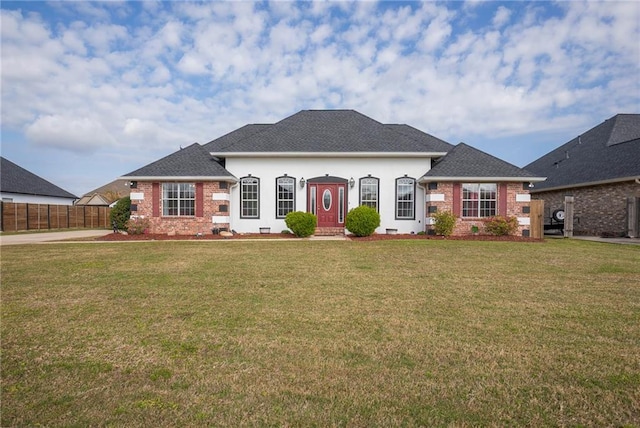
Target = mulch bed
(116,237)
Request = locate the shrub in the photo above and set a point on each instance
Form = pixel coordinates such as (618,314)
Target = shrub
(120,213)
(445,221)
(137,225)
(501,226)
(301,224)
(362,220)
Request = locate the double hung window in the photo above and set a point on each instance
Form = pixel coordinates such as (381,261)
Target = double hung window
(369,192)
(178,199)
(405,198)
(250,197)
(479,199)
(286,196)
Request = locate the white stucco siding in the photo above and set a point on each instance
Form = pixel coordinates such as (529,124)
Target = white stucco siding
(268,169)
(35,199)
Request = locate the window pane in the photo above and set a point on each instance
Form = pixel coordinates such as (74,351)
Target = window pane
(326,200)
(178,199)
(285,196)
(341,205)
(249,200)
(479,199)
(369,192)
(405,198)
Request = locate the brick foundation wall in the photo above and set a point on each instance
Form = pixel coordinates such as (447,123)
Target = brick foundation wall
(464,225)
(598,210)
(181,225)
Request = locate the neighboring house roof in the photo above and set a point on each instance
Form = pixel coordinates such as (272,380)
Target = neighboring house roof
(15,179)
(609,152)
(327,132)
(94,200)
(464,162)
(106,194)
(192,162)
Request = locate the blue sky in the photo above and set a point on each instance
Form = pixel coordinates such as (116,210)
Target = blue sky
(93,90)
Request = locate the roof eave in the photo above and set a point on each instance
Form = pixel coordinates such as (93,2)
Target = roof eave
(588,184)
(428,179)
(327,154)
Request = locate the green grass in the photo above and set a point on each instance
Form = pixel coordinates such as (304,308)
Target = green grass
(320,333)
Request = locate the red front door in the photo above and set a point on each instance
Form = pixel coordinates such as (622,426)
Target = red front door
(328,202)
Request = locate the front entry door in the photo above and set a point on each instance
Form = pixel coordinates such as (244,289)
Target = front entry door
(330,200)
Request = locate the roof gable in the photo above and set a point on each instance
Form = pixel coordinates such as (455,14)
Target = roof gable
(626,128)
(609,151)
(15,179)
(189,162)
(464,161)
(327,131)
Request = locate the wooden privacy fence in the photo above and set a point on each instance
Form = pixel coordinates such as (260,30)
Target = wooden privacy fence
(15,217)
(536,217)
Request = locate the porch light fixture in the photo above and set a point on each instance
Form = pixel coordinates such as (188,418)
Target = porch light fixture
(352,182)
(302,181)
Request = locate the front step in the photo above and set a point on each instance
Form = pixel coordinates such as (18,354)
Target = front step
(329,231)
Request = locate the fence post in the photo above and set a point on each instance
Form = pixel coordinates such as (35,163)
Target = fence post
(633,212)
(1,216)
(568,216)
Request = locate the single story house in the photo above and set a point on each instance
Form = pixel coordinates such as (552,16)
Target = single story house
(326,162)
(21,186)
(601,170)
(106,195)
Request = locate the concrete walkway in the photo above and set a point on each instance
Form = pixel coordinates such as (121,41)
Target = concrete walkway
(632,241)
(39,237)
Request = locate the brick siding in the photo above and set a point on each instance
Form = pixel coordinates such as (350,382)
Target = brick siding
(181,225)
(464,225)
(598,210)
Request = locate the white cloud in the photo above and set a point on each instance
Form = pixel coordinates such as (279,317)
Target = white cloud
(180,72)
(501,16)
(78,134)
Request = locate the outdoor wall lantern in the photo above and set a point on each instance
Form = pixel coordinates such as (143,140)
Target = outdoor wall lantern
(302,181)
(352,182)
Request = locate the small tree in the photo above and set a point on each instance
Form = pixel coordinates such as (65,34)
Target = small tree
(120,213)
(501,226)
(362,220)
(301,224)
(445,222)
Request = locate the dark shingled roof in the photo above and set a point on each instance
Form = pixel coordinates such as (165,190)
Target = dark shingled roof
(607,152)
(321,131)
(466,161)
(192,161)
(430,142)
(235,136)
(15,179)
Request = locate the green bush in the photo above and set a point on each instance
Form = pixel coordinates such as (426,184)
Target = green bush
(362,220)
(120,213)
(501,226)
(301,224)
(445,222)
(137,225)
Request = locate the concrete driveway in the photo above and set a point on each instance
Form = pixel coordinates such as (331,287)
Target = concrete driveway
(37,238)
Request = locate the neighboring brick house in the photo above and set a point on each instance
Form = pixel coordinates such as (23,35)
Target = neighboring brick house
(325,162)
(601,170)
(21,186)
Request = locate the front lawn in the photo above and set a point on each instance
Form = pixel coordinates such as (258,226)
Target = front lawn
(321,333)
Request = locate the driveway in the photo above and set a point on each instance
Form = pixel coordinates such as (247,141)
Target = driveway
(36,238)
